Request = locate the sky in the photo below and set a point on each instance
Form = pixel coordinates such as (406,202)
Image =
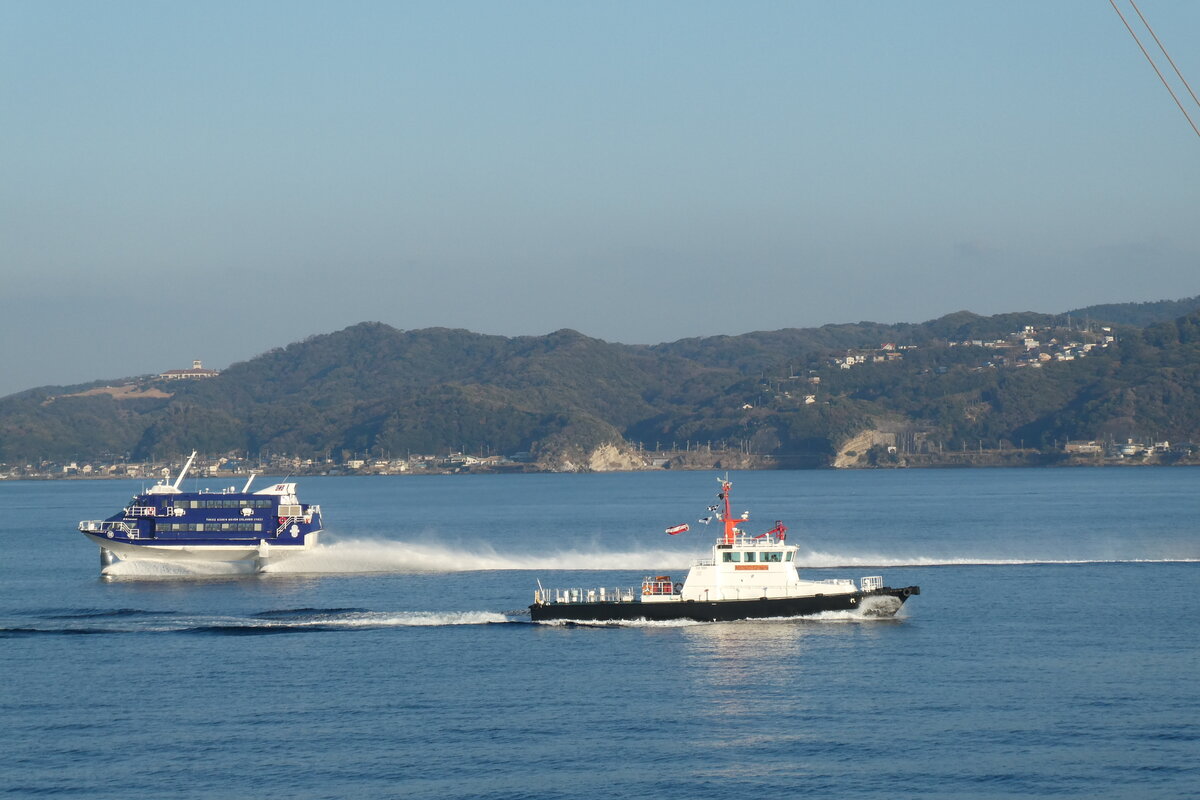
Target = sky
(212,180)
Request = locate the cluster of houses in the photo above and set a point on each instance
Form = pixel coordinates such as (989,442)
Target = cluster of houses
(452,462)
(1128,449)
(1033,346)
(888,351)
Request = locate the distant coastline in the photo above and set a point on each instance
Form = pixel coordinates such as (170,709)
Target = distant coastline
(683,461)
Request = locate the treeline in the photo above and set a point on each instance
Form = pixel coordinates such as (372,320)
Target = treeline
(1138,315)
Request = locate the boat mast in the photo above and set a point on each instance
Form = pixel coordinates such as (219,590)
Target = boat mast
(183,471)
(727,515)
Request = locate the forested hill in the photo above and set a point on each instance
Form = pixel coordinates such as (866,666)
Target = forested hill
(800,393)
(1138,314)
(368,387)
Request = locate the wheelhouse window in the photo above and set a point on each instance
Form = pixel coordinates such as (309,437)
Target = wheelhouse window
(789,555)
(749,557)
(772,557)
(731,557)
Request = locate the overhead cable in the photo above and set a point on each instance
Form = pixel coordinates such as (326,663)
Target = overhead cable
(1149,58)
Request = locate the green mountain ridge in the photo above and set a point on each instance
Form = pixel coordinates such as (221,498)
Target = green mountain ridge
(374,388)
(1138,314)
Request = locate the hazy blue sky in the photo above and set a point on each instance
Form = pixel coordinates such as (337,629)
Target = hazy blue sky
(211,180)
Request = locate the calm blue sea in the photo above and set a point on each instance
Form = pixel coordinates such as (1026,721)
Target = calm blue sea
(1054,650)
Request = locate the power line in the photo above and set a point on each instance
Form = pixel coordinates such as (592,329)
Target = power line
(1149,58)
(1182,79)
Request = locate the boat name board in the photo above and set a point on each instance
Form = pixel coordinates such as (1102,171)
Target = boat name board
(751,566)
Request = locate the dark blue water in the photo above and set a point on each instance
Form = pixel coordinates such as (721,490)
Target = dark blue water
(1053,652)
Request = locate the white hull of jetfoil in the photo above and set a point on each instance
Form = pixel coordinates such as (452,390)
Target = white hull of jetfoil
(203,553)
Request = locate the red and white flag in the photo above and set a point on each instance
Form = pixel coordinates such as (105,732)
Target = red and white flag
(677,529)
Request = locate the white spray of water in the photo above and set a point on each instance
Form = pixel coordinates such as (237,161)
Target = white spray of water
(358,556)
(818,560)
(319,621)
(374,555)
(368,555)
(397,619)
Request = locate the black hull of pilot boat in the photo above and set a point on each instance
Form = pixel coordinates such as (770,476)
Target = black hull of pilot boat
(716,610)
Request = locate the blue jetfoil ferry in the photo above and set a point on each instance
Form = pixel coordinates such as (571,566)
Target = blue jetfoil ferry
(168,524)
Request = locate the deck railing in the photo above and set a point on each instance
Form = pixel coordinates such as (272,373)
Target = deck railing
(106,527)
(603,594)
(287,522)
(746,540)
(653,586)
(290,519)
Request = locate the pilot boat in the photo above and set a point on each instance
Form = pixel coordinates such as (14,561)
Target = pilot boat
(166,523)
(747,577)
